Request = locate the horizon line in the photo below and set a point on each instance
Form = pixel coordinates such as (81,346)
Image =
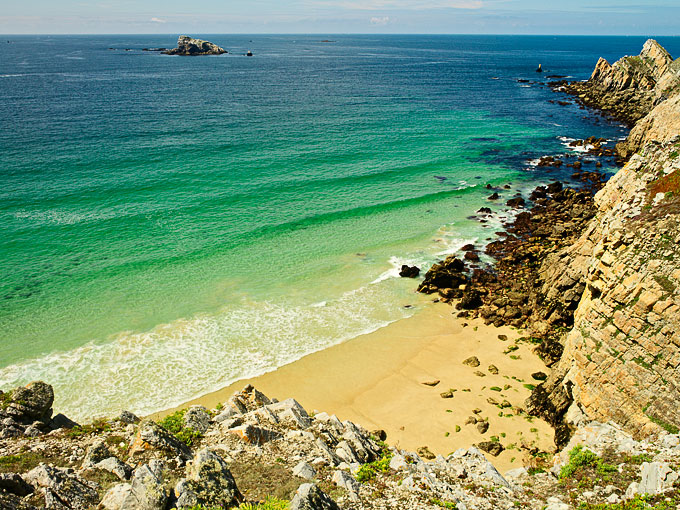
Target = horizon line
(337,34)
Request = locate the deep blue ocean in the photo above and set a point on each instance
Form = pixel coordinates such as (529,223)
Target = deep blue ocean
(172,224)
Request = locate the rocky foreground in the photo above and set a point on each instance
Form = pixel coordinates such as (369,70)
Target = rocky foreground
(253,452)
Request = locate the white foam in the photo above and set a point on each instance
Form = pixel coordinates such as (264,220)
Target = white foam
(175,362)
(396,262)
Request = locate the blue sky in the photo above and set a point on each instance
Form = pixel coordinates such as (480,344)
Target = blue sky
(626,17)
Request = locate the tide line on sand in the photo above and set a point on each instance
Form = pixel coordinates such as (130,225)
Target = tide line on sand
(377,380)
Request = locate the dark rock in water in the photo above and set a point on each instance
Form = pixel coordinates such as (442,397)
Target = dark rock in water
(484,210)
(494,196)
(440,178)
(444,275)
(516,202)
(468,247)
(554,187)
(187,46)
(471,255)
(249,53)
(310,497)
(409,271)
(507,186)
(491,447)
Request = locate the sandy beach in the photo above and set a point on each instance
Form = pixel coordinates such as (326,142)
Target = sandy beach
(378,380)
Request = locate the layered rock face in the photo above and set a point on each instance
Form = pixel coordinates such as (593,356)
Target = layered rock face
(188,46)
(621,359)
(630,88)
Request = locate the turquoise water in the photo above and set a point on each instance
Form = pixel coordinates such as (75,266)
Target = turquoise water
(173,224)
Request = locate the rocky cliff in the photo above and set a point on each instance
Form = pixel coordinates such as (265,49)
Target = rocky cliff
(621,358)
(188,46)
(631,87)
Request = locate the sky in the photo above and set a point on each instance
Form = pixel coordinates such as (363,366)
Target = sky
(582,17)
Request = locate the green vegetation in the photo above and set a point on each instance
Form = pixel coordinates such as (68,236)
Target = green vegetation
(495,388)
(22,462)
(368,471)
(535,470)
(668,427)
(96,427)
(637,503)
(268,504)
(582,458)
(443,504)
(174,423)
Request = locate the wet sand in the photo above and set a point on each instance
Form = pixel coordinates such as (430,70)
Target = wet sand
(376,380)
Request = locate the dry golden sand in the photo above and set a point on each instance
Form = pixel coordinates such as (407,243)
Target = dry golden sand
(376,380)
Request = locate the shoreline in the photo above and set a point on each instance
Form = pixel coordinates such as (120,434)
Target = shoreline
(386,370)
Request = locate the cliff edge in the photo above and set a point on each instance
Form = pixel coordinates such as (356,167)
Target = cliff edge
(633,86)
(621,358)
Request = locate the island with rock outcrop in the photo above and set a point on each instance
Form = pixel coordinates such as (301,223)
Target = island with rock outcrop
(188,46)
(588,272)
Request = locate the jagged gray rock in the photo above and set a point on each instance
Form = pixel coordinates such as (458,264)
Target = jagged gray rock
(152,436)
(304,470)
(209,482)
(146,490)
(310,497)
(197,418)
(656,477)
(15,484)
(60,486)
(115,497)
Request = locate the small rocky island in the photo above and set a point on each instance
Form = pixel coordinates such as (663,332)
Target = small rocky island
(188,46)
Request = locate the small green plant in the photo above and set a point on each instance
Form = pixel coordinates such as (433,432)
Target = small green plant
(174,423)
(580,457)
(368,471)
(495,388)
(268,504)
(444,504)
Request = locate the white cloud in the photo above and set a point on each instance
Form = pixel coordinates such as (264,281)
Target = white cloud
(384,20)
(157,20)
(372,5)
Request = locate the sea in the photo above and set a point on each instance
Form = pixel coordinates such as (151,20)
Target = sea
(172,224)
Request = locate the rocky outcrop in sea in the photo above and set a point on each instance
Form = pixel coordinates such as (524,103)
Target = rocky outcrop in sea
(188,46)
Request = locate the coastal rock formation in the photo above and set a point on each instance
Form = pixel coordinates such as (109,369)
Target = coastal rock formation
(631,87)
(188,46)
(620,359)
